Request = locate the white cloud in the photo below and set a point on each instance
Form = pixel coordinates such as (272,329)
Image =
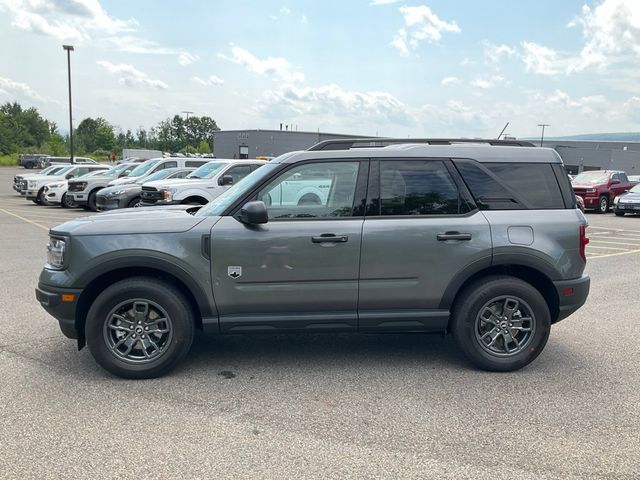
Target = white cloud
(541,60)
(12,88)
(285,11)
(421,24)
(212,80)
(335,104)
(65,20)
(276,67)
(451,81)
(493,81)
(186,58)
(383,2)
(130,76)
(493,54)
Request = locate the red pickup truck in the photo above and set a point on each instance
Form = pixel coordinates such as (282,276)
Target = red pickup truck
(598,188)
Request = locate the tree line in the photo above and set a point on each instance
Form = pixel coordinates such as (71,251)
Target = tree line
(26,131)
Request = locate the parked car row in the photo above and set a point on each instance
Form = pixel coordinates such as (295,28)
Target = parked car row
(157,181)
(601,190)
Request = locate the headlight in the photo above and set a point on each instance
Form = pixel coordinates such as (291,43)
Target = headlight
(168,193)
(32,184)
(55,253)
(616,200)
(117,192)
(56,185)
(590,190)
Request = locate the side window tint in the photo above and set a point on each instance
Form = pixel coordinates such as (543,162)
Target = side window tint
(418,187)
(239,172)
(623,178)
(535,183)
(313,190)
(192,163)
(486,187)
(169,165)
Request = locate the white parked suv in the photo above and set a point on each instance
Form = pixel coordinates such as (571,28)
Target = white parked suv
(83,190)
(36,184)
(155,165)
(20,181)
(201,186)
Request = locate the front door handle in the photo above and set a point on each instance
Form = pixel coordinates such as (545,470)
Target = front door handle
(443,237)
(330,238)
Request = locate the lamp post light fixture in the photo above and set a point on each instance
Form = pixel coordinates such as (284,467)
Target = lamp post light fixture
(69,49)
(542,136)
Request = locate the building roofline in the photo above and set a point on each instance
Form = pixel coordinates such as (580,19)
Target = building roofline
(291,131)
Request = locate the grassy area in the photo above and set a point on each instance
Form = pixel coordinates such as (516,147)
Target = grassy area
(7,160)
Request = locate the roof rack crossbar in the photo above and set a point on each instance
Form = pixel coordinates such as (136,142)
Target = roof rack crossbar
(349,143)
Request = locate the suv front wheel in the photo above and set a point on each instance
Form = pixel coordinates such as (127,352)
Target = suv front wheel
(139,328)
(501,323)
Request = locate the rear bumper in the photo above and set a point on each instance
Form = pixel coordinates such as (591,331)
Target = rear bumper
(572,295)
(65,312)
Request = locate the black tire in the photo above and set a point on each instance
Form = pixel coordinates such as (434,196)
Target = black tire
(29,165)
(619,214)
(134,203)
(67,202)
(466,323)
(40,197)
(159,297)
(91,202)
(603,204)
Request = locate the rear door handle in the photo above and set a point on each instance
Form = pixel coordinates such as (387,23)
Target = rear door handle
(330,238)
(443,237)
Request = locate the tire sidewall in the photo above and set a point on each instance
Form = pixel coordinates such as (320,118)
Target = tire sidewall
(600,210)
(168,298)
(464,322)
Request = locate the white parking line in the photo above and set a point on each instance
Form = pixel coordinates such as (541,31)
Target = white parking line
(617,243)
(608,248)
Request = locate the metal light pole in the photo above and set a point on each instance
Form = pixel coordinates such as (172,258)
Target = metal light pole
(542,136)
(187,126)
(69,49)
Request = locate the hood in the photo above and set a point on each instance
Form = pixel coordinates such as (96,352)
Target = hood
(132,221)
(172,182)
(51,178)
(629,197)
(123,180)
(117,188)
(585,185)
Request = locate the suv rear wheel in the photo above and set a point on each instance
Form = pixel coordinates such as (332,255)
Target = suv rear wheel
(139,328)
(501,323)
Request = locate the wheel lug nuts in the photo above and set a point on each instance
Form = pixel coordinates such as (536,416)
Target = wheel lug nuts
(133,336)
(146,328)
(130,327)
(142,336)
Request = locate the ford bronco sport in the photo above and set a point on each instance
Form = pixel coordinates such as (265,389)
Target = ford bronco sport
(481,239)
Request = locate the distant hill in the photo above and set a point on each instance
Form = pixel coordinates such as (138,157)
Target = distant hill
(604,137)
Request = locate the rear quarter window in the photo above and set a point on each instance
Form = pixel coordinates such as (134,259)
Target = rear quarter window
(512,186)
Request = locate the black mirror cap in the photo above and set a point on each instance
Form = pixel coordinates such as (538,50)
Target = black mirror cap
(68,176)
(225,180)
(254,213)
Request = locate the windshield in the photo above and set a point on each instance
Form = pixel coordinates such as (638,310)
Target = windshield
(64,170)
(635,189)
(144,168)
(156,176)
(207,170)
(116,170)
(591,177)
(219,204)
(93,173)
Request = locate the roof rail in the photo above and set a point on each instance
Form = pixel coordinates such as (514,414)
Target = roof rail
(349,143)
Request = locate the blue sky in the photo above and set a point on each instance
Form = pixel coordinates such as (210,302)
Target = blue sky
(394,68)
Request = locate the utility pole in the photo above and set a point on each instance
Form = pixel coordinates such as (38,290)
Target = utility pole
(186,126)
(542,135)
(69,49)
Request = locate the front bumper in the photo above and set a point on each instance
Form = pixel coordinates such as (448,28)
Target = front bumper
(53,196)
(79,198)
(572,295)
(626,207)
(65,312)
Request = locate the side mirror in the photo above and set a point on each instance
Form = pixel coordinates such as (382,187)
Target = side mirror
(68,176)
(254,213)
(225,180)
(615,181)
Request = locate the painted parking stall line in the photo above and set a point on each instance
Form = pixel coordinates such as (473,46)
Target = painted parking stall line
(607,242)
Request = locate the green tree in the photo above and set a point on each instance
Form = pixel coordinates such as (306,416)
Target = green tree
(56,145)
(203,147)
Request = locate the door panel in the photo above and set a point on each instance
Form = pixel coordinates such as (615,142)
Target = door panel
(284,279)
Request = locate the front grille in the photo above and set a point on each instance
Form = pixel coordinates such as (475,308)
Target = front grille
(23,184)
(150,194)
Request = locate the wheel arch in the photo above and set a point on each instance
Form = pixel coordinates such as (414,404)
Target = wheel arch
(195,198)
(170,274)
(540,280)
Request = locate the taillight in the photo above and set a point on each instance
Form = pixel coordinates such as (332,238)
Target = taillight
(584,241)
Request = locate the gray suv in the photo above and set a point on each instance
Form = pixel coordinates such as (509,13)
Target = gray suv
(479,239)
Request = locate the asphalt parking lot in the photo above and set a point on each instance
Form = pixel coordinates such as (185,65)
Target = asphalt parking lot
(335,406)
